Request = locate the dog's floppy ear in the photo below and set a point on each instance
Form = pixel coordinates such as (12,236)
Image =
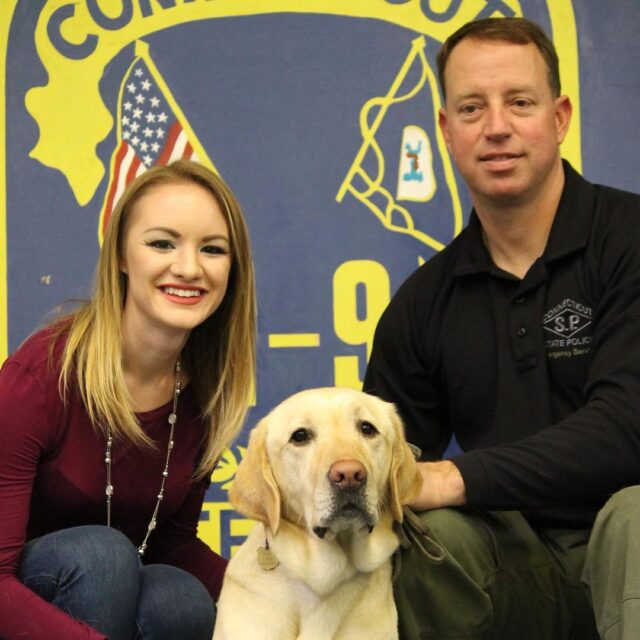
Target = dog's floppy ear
(254,491)
(405,479)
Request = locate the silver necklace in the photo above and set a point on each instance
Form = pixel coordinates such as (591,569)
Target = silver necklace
(173,416)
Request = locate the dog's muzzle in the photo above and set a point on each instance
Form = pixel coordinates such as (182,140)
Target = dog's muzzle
(348,479)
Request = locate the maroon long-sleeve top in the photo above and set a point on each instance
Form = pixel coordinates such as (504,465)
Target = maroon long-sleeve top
(53,476)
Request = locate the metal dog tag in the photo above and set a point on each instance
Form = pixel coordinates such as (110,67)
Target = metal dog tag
(267,559)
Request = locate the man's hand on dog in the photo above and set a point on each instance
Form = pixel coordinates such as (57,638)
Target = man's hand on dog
(442,486)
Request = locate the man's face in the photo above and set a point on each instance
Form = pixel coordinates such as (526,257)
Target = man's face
(501,122)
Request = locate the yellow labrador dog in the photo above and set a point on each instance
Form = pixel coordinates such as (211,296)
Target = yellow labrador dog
(325,475)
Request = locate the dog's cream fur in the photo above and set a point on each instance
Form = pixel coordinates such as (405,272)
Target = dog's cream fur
(332,546)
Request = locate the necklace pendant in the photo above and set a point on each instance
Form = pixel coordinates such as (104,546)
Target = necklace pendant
(109,490)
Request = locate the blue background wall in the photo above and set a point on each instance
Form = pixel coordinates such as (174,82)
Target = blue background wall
(295,104)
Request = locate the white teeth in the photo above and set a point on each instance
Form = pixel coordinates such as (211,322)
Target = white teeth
(183,293)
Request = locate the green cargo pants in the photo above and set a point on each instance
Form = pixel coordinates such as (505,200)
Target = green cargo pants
(499,580)
(612,566)
(502,580)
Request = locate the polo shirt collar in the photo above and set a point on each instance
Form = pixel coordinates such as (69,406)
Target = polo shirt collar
(473,256)
(572,223)
(569,232)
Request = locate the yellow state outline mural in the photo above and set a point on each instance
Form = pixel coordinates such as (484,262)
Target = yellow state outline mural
(81,165)
(84,170)
(84,181)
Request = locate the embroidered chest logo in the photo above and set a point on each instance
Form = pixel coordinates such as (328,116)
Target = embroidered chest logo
(567,319)
(566,323)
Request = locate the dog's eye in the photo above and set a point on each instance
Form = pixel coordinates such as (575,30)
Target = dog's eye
(368,429)
(300,436)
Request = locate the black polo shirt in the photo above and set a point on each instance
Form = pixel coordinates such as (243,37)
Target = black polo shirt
(539,378)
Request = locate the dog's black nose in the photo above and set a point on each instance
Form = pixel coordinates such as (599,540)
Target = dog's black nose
(347,474)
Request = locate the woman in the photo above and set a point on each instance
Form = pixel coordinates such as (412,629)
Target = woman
(113,418)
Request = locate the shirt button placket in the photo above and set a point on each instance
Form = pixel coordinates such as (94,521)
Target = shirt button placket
(521,331)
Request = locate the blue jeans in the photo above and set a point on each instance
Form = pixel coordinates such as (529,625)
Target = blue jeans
(94,574)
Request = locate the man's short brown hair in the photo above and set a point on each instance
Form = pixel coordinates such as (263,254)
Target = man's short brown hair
(515,30)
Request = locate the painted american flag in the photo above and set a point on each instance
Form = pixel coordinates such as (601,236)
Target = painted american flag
(149,132)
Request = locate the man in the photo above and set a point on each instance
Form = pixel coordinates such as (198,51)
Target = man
(522,339)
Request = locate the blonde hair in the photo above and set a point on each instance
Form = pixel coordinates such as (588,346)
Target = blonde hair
(220,353)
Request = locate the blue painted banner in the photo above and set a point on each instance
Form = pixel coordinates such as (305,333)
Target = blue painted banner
(321,115)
